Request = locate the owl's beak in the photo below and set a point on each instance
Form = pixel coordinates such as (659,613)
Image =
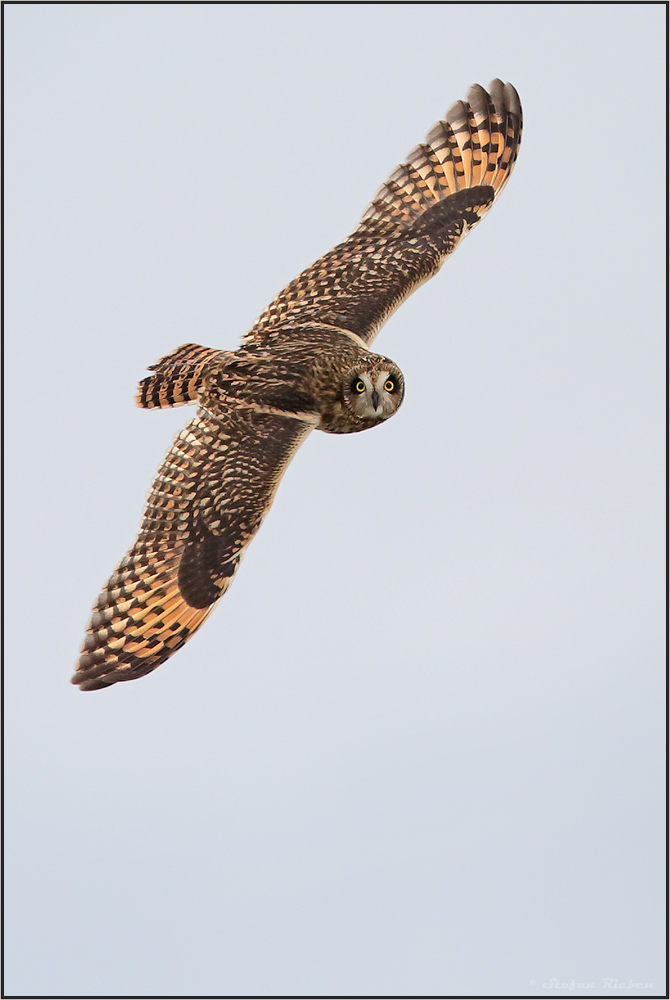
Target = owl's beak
(375,399)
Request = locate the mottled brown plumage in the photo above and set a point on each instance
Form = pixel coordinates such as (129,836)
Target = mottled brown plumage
(305,364)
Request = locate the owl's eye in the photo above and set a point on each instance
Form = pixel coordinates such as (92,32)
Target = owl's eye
(358,385)
(389,385)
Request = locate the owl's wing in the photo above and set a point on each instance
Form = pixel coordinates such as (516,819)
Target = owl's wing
(206,503)
(415,220)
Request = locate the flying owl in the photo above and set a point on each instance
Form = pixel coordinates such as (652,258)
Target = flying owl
(305,364)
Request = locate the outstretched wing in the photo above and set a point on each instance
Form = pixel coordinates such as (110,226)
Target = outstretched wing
(206,503)
(415,221)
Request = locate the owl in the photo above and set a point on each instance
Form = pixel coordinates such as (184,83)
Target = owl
(306,364)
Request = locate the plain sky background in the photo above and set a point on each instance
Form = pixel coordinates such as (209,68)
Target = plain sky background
(418,748)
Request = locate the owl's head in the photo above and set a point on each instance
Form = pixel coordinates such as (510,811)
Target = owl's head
(369,392)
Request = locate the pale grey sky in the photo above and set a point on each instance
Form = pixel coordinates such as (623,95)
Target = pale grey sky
(418,748)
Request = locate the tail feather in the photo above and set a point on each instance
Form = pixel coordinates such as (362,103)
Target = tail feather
(178,378)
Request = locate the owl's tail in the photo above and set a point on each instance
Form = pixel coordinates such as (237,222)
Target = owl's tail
(177,378)
(475,146)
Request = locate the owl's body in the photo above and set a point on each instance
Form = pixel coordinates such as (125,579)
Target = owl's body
(305,365)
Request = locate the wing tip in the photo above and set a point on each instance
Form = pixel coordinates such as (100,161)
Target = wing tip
(478,99)
(91,684)
(92,672)
(505,97)
(98,669)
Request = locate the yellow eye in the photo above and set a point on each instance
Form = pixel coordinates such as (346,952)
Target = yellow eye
(389,385)
(360,386)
